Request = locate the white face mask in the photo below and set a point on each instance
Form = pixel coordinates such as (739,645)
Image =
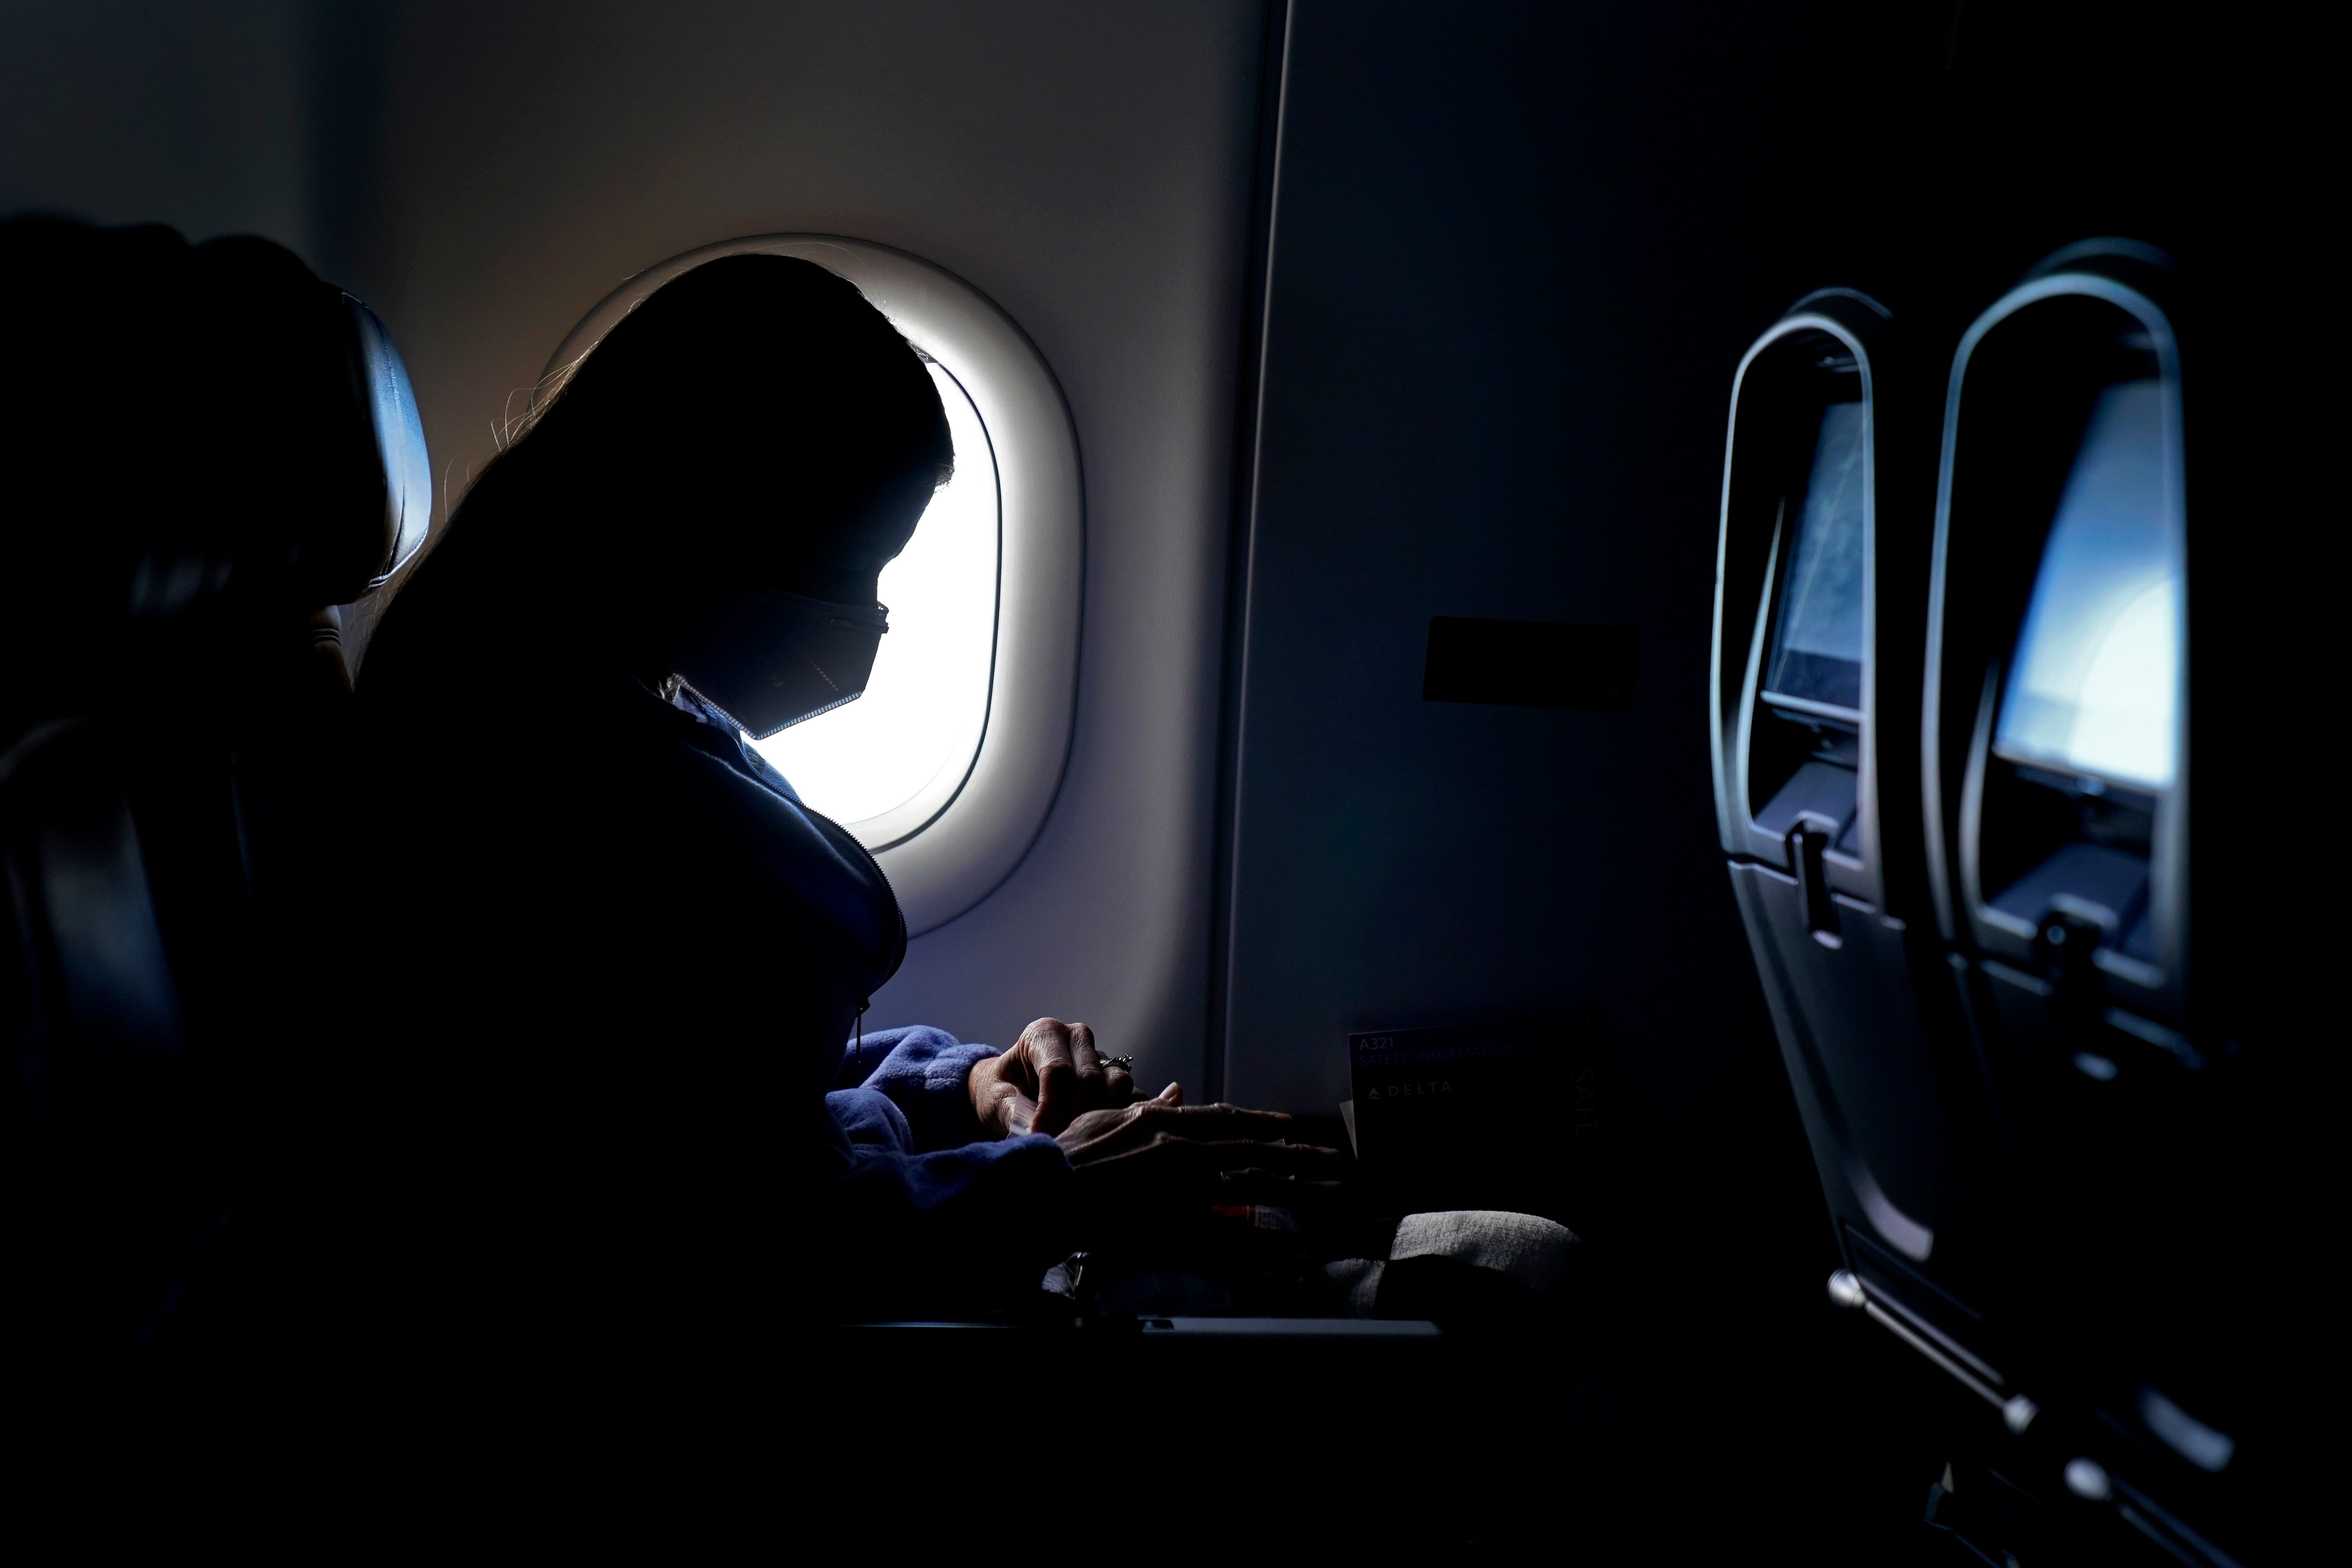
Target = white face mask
(768,659)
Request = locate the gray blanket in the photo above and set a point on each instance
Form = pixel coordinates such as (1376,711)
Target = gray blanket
(1532,1251)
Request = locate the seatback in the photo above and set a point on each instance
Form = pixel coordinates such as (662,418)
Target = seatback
(1817,624)
(211,448)
(1966,874)
(2059,765)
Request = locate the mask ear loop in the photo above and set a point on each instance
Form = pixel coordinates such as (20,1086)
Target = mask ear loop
(858,1050)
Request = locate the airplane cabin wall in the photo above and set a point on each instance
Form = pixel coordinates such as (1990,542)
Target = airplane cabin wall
(147,112)
(1517,253)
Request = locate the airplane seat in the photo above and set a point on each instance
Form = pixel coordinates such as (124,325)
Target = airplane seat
(1966,880)
(211,448)
(2057,771)
(1819,598)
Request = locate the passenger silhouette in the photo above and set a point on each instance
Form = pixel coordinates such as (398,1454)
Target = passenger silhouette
(619,1079)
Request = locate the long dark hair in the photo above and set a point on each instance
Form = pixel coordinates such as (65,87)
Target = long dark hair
(754,421)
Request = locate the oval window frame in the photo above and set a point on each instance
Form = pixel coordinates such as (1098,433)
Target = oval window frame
(964,849)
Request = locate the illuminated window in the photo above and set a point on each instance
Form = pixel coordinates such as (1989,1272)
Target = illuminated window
(885,764)
(948,764)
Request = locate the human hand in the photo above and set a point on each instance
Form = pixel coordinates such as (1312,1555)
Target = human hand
(1160,1157)
(1051,1075)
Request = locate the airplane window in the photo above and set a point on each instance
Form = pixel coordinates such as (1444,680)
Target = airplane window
(919,722)
(948,764)
(1817,644)
(2095,688)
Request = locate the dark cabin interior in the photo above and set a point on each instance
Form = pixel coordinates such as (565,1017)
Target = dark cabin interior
(1422,462)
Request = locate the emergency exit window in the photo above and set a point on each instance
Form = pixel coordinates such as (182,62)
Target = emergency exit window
(926,704)
(1817,640)
(2095,688)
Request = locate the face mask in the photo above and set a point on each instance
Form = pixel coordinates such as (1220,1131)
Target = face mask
(768,659)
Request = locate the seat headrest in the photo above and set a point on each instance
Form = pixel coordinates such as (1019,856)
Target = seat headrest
(318,417)
(194,434)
